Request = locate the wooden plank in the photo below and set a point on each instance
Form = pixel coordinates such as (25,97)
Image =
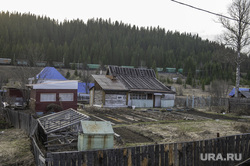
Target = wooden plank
(56,159)
(133,156)
(180,154)
(89,158)
(125,157)
(73,158)
(79,158)
(105,158)
(189,151)
(119,157)
(245,151)
(237,144)
(151,155)
(184,154)
(171,157)
(157,151)
(129,157)
(138,156)
(196,153)
(144,155)
(176,154)
(166,153)
(162,158)
(201,151)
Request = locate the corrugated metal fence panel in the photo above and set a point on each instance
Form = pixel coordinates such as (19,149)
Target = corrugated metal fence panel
(167,103)
(142,103)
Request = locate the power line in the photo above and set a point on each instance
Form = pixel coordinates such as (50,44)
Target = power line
(220,15)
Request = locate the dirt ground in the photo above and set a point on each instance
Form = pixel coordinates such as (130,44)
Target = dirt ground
(15,146)
(147,126)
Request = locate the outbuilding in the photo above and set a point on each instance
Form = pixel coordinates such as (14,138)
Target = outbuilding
(59,93)
(95,135)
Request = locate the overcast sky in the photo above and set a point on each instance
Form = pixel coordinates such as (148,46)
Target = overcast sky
(165,13)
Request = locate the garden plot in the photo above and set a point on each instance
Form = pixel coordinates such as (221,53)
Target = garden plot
(141,126)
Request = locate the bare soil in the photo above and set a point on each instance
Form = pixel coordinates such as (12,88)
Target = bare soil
(15,146)
(149,126)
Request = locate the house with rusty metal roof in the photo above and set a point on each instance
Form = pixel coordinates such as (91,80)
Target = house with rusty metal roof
(122,87)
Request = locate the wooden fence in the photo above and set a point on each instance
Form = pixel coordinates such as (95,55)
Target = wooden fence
(200,101)
(239,105)
(186,153)
(29,124)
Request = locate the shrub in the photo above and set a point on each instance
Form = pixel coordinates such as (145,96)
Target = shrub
(54,108)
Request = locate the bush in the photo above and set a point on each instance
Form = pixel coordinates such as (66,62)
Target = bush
(53,108)
(179,81)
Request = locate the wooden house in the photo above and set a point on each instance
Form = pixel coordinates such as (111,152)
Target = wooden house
(122,87)
(60,93)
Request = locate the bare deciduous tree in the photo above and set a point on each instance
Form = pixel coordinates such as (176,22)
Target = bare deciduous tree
(236,35)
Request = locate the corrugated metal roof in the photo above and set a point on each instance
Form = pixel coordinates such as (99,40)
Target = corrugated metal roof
(50,73)
(97,127)
(109,84)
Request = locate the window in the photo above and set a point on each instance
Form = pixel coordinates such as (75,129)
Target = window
(138,96)
(66,97)
(119,97)
(47,97)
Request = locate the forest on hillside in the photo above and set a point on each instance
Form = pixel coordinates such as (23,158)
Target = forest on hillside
(99,41)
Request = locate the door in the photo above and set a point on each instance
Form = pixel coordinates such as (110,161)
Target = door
(157,101)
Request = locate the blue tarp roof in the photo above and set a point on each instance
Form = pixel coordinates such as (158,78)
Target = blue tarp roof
(50,73)
(82,87)
(240,89)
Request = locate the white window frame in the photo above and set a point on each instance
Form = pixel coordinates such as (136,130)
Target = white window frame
(66,96)
(119,97)
(48,97)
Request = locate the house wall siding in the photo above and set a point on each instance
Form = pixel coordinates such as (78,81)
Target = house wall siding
(42,106)
(98,97)
(115,100)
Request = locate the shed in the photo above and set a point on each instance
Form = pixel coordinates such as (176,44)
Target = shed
(60,130)
(95,135)
(58,93)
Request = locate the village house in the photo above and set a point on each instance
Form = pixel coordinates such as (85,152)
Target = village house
(60,93)
(134,87)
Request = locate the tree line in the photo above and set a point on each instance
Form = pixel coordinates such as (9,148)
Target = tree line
(39,38)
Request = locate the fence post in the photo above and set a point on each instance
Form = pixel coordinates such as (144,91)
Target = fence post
(193,101)
(187,101)
(209,101)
